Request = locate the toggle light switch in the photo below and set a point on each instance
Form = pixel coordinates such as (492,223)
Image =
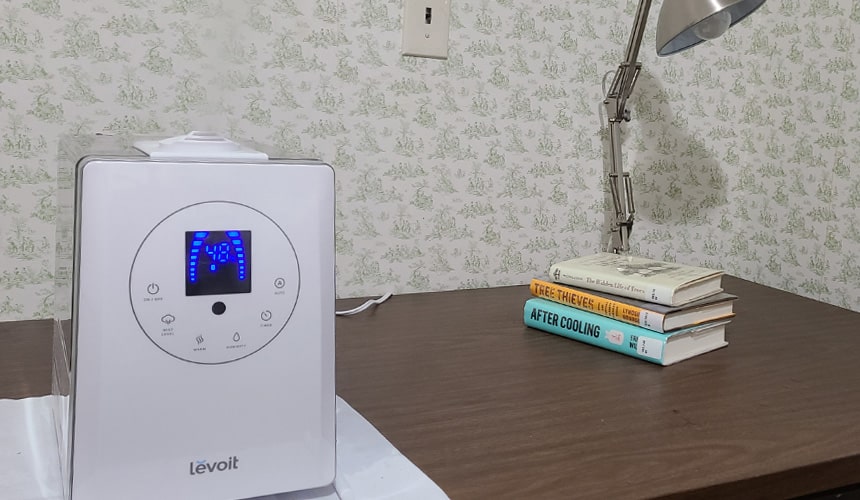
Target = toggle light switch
(425,28)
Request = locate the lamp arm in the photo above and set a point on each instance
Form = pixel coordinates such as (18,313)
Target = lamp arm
(616,110)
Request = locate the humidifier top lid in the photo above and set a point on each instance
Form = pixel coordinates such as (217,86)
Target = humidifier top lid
(198,144)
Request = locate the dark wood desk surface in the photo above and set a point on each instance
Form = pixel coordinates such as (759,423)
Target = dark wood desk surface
(491,409)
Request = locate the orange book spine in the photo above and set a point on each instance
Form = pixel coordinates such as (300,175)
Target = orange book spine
(586,301)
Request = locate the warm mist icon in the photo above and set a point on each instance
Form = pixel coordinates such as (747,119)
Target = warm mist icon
(199,339)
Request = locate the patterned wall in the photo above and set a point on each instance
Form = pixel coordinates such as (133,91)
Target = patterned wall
(475,171)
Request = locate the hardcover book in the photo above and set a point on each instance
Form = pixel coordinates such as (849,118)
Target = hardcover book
(648,315)
(659,348)
(639,278)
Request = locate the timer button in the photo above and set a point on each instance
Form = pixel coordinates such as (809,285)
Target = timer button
(266,315)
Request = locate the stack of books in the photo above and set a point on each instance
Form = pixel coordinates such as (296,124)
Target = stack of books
(657,311)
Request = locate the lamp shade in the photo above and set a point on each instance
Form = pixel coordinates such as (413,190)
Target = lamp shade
(685,23)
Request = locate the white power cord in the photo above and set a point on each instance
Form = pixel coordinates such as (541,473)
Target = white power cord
(364,306)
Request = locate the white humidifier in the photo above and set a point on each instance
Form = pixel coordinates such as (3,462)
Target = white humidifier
(195,353)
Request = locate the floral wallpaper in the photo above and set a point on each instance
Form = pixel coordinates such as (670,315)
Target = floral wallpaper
(476,171)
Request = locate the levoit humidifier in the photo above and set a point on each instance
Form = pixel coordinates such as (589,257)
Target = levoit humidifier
(194,341)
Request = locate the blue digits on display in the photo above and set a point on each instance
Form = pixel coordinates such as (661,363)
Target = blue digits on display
(224,250)
(219,254)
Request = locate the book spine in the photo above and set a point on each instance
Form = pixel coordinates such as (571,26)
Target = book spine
(594,329)
(595,280)
(627,313)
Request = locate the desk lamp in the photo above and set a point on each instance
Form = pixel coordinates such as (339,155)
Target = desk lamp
(682,24)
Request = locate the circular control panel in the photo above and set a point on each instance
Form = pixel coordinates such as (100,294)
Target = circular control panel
(214,282)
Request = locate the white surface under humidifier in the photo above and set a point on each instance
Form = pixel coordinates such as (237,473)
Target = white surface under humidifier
(195,355)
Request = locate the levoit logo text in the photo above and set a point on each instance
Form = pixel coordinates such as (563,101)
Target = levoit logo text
(205,467)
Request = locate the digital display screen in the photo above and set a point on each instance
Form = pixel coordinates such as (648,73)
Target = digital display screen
(217,262)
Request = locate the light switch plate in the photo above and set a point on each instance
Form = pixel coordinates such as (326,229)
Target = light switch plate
(425,28)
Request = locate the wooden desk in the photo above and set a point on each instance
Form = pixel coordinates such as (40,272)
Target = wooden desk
(491,409)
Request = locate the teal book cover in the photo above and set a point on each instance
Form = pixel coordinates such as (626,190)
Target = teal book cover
(635,341)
